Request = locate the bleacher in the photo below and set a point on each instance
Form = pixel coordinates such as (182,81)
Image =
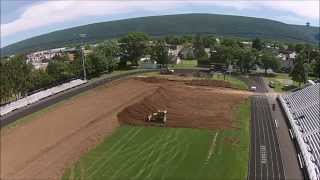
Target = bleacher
(302,108)
(5,109)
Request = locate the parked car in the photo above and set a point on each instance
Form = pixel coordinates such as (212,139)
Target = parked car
(271,84)
(253,88)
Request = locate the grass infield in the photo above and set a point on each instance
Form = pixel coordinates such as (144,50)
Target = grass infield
(169,153)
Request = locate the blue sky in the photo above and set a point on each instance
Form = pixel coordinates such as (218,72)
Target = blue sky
(22,19)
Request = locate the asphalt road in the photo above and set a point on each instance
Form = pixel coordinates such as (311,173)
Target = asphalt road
(19,113)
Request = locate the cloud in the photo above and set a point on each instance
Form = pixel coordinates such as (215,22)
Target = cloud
(55,12)
(51,12)
(307,8)
(303,8)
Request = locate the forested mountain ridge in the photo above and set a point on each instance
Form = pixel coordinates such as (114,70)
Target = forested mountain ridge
(220,25)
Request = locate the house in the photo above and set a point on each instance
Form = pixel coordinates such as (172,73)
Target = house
(246,44)
(208,51)
(287,59)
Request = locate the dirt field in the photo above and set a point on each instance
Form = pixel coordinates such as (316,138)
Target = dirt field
(52,141)
(44,147)
(188,107)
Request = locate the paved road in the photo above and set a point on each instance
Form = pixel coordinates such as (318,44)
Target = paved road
(265,159)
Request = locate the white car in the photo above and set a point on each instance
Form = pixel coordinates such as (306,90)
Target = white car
(253,88)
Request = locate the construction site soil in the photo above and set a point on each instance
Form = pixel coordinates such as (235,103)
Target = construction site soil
(53,140)
(187,104)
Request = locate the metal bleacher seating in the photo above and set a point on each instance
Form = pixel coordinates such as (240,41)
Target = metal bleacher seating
(303,111)
(5,109)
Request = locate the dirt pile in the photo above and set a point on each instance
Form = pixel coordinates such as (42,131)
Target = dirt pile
(187,107)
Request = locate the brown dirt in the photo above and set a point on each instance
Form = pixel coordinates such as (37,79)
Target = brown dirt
(44,147)
(54,140)
(187,107)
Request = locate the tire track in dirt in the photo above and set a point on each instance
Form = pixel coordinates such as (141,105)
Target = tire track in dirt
(45,146)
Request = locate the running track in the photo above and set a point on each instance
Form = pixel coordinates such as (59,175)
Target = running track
(265,157)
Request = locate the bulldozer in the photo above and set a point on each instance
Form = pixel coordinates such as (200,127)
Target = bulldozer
(158,117)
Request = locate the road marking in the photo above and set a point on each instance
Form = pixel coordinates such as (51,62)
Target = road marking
(263,155)
(211,149)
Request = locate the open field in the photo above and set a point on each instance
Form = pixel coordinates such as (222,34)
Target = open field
(169,153)
(53,140)
(232,80)
(186,64)
(57,137)
(237,83)
(280,80)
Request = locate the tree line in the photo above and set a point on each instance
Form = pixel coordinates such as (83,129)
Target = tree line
(233,52)
(18,78)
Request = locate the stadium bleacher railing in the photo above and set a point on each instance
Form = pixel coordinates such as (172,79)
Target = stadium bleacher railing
(7,108)
(310,166)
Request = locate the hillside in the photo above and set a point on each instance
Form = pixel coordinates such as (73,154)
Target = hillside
(221,25)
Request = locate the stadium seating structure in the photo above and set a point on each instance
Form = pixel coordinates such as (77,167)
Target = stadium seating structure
(302,108)
(5,109)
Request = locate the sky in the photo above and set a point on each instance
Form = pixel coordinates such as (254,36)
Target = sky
(22,19)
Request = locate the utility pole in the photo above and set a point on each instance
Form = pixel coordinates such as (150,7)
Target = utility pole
(83,57)
(83,64)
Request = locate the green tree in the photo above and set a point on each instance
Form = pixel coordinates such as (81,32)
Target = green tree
(229,42)
(40,79)
(291,47)
(159,53)
(299,48)
(315,66)
(173,40)
(108,52)
(199,49)
(20,75)
(268,61)
(223,54)
(186,39)
(60,70)
(209,41)
(298,72)
(133,47)
(245,60)
(308,50)
(5,83)
(257,44)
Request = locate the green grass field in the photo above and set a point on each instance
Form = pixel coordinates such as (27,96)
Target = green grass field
(169,153)
(186,64)
(280,80)
(235,82)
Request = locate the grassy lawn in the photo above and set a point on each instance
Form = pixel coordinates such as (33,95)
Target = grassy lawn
(280,80)
(186,64)
(237,83)
(168,153)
